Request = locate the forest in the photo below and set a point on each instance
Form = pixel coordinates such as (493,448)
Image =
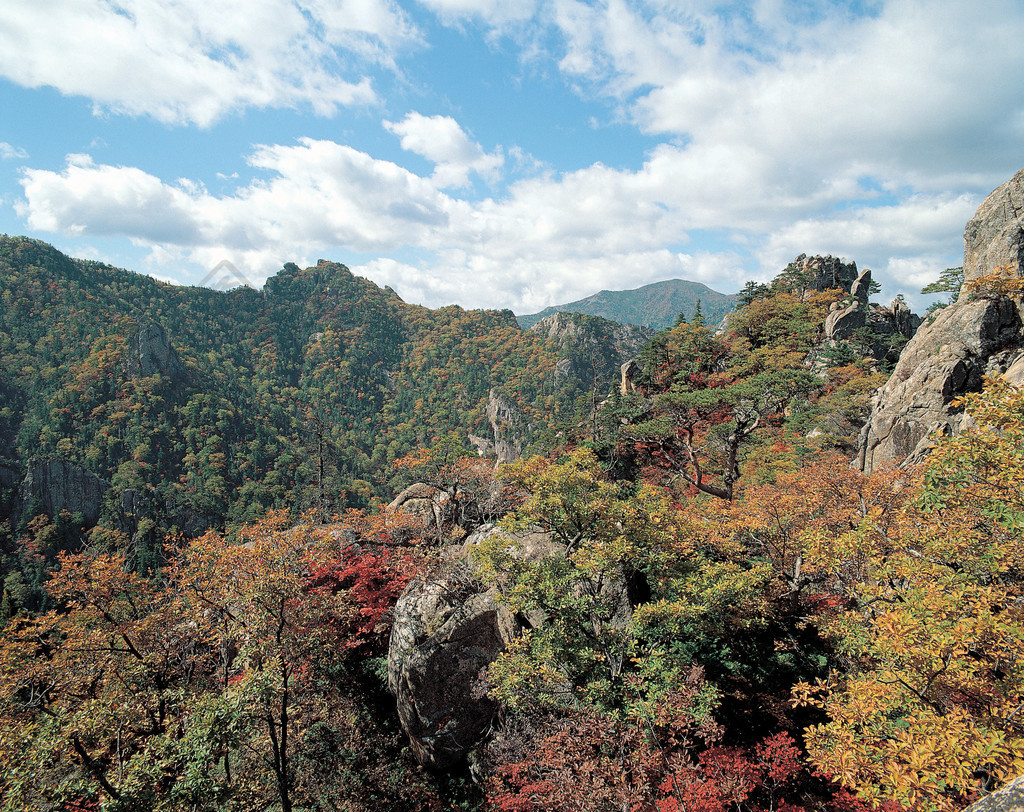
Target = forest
(724,614)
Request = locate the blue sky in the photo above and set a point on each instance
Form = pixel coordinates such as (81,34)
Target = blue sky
(508,153)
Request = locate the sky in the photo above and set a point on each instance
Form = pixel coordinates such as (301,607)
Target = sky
(508,153)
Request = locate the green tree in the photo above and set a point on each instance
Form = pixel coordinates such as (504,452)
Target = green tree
(950,281)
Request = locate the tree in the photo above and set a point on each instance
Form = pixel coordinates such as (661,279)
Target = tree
(97,694)
(950,281)
(711,395)
(220,686)
(927,707)
(606,537)
(252,600)
(750,292)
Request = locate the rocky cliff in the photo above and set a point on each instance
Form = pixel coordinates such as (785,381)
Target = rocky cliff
(994,237)
(53,485)
(981,333)
(152,353)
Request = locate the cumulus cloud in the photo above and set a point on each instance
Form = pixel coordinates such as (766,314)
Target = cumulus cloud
(190,61)
(547,239)
(544,240)
(907,94)
(444,143)
(906,244)
(108,200)
(796,127)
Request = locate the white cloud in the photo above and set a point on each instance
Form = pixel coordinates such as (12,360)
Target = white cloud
(548,239)
(107,200)
(906,245)
(321,194)
(918,225)
(192,61)
(921,93)
(8,152)
(444,143)
(497,13)
(794,128)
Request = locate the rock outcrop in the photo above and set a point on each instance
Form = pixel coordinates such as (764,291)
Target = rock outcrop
(425,503)
(974,336)
(844,320)
(448,628)
(445,633)
(583,336)
(1009,798)
(508,425)
(994,237)
(947,358)
(152,353)
(827,272)
(904,322)
(628,373)
(54,484)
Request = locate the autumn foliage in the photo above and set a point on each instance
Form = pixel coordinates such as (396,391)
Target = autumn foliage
(728,617)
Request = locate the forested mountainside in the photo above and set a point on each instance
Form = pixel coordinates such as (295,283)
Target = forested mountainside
(657,305)
(208,407)
(688,600)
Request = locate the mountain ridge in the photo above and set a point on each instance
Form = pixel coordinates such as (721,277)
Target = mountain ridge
(222,404)
(656,305)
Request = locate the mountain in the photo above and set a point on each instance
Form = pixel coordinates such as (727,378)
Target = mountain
(657,305)
(690,597)
(186,408)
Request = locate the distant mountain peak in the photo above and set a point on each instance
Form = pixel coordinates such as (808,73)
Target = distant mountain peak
(657,305)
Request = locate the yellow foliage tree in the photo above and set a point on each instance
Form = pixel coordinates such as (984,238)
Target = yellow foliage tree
(928,710)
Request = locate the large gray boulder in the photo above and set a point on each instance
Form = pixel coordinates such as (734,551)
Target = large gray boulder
(975,336)
(429,506)
(447,629)
(1009,798)
(860,290)
(844,320)
(994,237)
(944,359)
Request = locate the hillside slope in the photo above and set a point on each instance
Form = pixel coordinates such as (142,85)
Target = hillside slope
(198,407)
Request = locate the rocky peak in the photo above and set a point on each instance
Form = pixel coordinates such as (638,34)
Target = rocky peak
(904,322)
(827,272)
(994,237)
